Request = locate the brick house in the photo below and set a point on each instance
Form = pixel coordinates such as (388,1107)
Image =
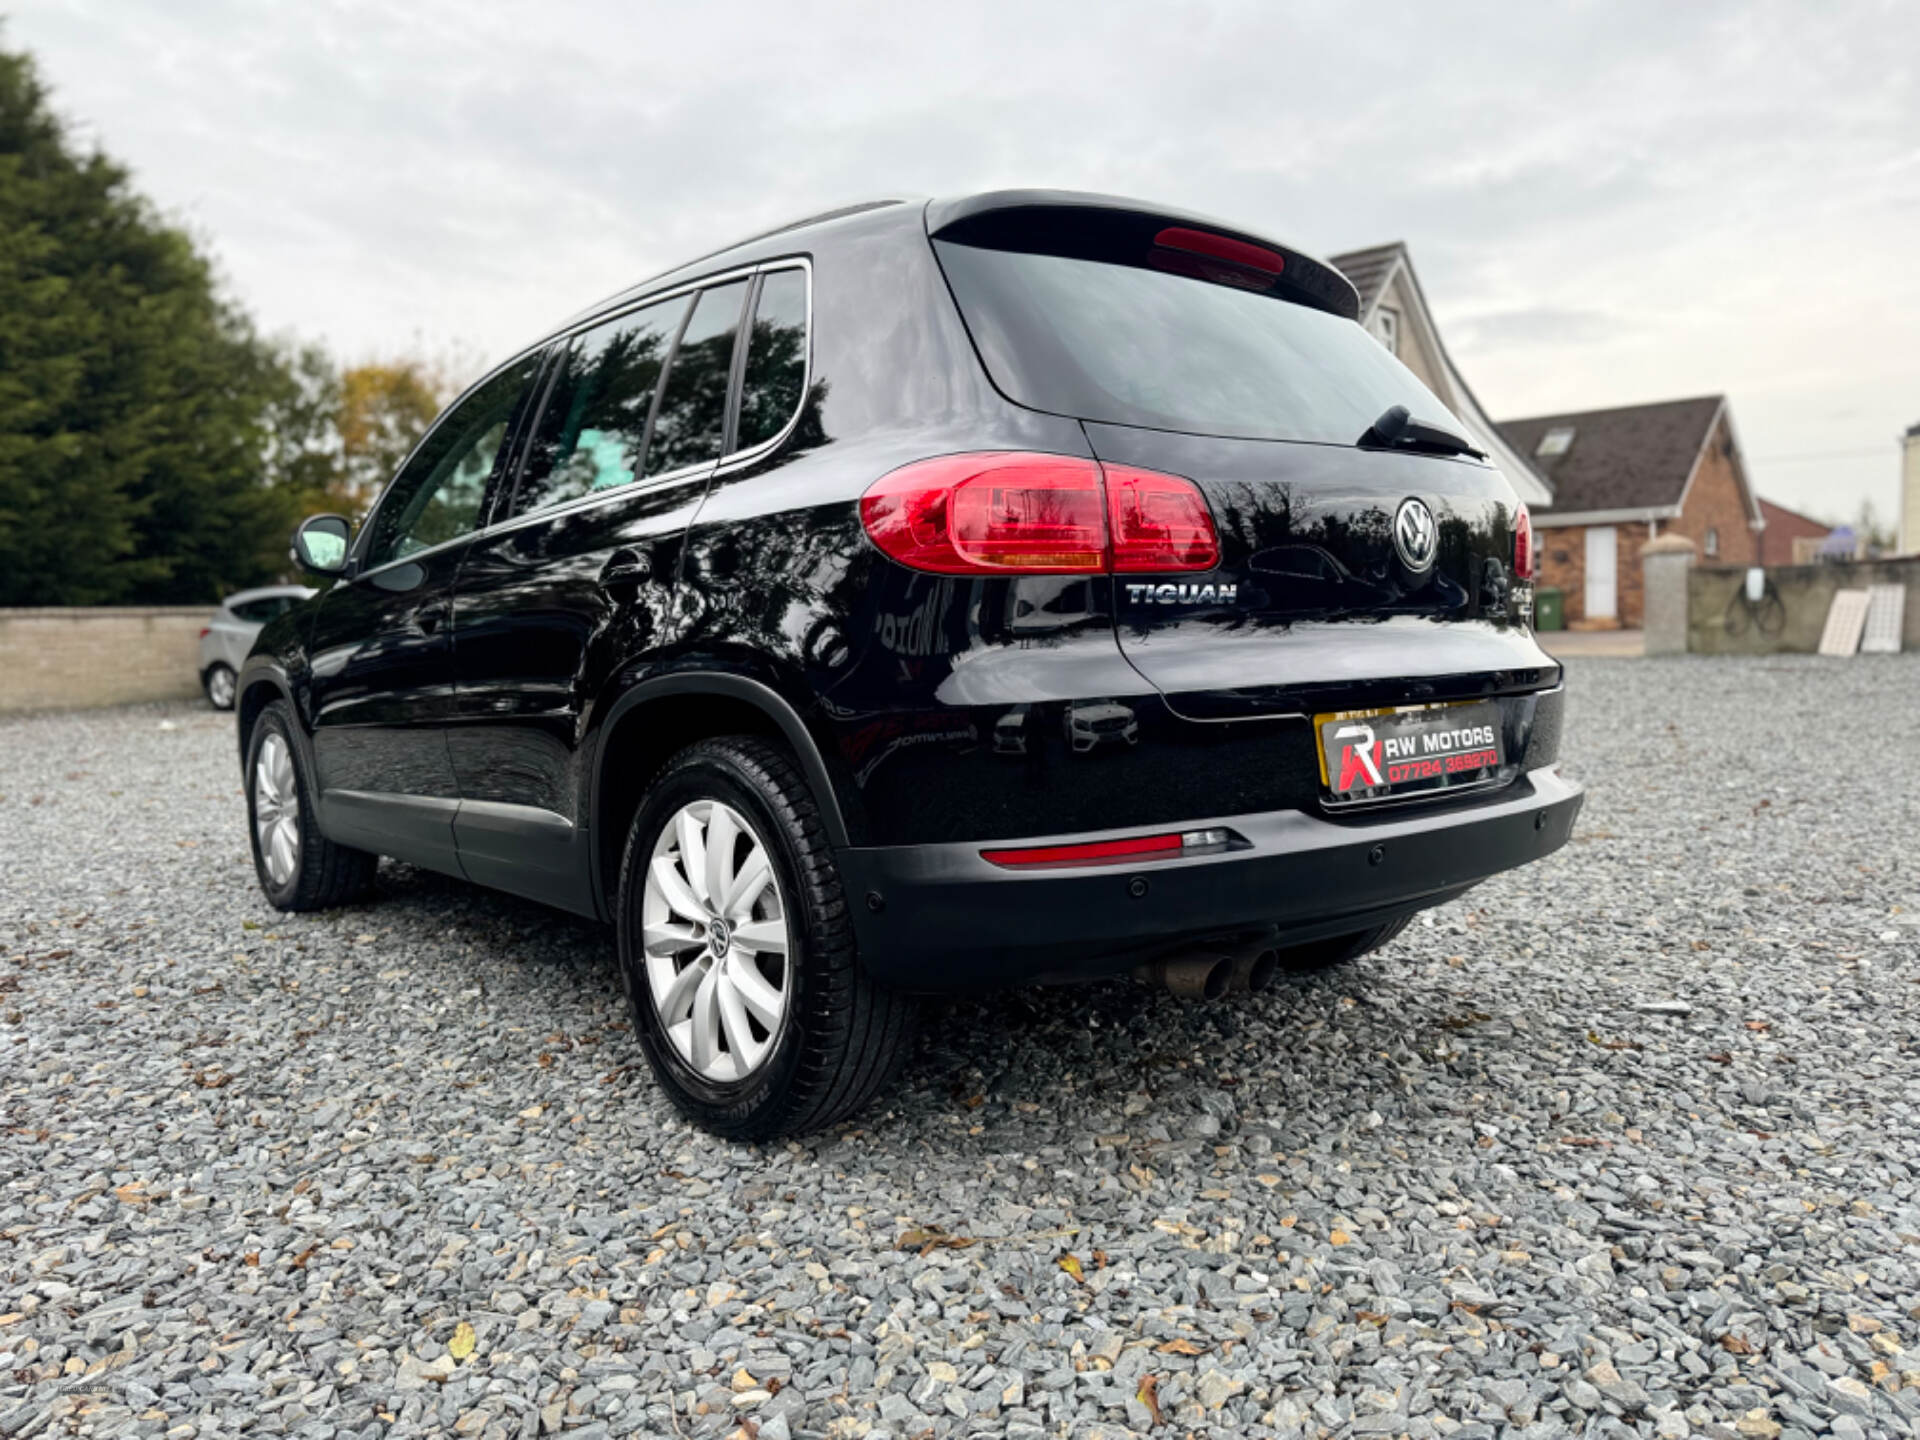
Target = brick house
(1599,484)
(1620,477)
(1790,538)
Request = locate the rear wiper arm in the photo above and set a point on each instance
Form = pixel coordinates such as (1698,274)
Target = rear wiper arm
(1398,430)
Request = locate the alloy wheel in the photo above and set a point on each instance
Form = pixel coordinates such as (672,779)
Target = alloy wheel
(220,687)
(276,809)
(715,941)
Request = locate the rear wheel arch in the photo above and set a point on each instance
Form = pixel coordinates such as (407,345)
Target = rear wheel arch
(651,723)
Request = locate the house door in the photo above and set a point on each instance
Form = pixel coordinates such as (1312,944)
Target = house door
(1602,557)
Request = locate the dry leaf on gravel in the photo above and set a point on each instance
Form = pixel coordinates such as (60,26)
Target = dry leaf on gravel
(1149,1395)
(1593,1039)
(929,1238)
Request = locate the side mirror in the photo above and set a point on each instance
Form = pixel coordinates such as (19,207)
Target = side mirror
(320,544)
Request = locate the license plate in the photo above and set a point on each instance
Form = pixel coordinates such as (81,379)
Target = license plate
(1388,754)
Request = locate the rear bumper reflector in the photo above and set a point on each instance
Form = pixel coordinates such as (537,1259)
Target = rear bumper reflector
(1110,852)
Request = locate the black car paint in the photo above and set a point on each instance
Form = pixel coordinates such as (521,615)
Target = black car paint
(928,711)
(381,692)
(1289,875)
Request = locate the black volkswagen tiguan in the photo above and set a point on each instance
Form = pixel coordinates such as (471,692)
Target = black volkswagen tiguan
(1025,588)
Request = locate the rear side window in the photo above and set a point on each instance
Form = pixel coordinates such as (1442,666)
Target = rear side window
(776,368)
(592,432)
(687,429)
(258,612)
(1131,345)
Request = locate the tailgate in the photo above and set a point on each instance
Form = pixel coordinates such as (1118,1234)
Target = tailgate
(1315,604)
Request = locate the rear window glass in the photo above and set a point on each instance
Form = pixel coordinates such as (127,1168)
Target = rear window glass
(593,430)
(1132,346)
(776,358)
(258,612)
(693,404)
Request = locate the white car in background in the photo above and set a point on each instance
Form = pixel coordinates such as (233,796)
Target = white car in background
(228,636)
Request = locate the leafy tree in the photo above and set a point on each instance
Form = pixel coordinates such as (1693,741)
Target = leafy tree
(1877,533)
(301,458)
(383,411)
(134,402)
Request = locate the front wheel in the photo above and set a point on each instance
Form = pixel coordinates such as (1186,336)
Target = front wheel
(218,683)
(738,952)
(299,868)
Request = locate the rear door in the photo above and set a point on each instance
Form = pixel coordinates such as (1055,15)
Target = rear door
(230,635)
(1352,571)
(579,575)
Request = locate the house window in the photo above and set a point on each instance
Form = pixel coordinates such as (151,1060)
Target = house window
(1712,547)
(1386,329)
(1556,441)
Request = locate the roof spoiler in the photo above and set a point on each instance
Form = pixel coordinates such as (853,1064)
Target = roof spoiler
(1131,232)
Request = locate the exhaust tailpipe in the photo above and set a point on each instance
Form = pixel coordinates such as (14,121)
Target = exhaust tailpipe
(1191,977)
(1250,974)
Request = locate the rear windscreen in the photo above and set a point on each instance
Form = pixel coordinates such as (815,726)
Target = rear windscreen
(1119,343)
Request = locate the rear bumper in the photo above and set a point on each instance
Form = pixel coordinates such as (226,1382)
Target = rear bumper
(939,917)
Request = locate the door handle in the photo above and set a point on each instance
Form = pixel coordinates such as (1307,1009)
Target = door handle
(625,567)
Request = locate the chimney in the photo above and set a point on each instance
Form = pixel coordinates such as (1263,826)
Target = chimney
(1909,542)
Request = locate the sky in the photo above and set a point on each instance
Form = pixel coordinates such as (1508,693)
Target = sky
(1606,203)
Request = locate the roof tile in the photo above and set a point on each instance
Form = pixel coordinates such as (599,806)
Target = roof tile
(1636,457)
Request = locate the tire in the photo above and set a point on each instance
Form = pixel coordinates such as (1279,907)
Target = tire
(835,1039)
(298,867)
(1318,955)
(218,682)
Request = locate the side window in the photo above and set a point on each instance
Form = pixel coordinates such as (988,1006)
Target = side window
(693,405)
(776,368)
(437,494)
(258,612)
(593,428)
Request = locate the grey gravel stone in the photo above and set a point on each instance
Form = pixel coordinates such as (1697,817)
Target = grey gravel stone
(1664,1007)
(257,1169)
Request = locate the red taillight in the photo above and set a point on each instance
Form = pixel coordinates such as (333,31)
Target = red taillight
(1222,247)
(1001,512)
(1012,513)
(1159,522)
(205,630)
(1523,557)
(1096,852)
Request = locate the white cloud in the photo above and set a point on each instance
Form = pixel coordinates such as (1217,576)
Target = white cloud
(1711,197)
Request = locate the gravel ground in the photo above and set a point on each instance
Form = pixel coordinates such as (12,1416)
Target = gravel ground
(1620,1144)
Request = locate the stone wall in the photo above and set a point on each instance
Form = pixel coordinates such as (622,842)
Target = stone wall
(61,659)
(1806,591)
